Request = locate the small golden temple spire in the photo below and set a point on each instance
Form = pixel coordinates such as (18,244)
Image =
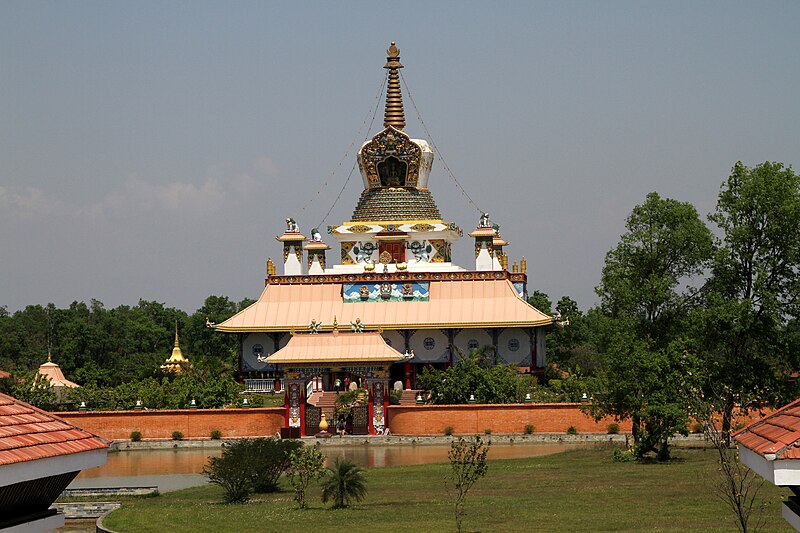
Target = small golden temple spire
(394,115)
(176,336)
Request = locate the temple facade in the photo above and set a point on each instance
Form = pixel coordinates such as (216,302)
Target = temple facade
(393,279)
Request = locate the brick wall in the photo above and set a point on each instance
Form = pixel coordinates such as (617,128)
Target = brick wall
(472,419)
(193,423)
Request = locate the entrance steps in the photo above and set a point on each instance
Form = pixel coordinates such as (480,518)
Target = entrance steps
(409,397)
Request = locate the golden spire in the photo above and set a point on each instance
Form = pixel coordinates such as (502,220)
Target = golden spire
(394,116)
(178,346)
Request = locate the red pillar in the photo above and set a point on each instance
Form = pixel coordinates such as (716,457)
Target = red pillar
(408,374)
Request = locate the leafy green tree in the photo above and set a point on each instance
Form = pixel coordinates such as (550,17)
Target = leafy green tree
(540,301)
(470,376)
(305,465)
(646,296)
(752,294)
(343,484)
(467,465)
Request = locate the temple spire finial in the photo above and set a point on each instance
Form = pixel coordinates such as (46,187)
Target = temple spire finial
(176,345)
(394,115)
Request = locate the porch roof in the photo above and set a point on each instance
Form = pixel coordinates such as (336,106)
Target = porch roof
(336,347)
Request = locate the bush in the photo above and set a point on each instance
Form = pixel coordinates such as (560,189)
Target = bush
(306,464)
(216,434)
(232,472)
(268,458)
(528,429)
(487,431)
(622,456)
(697,427)
(572,431)
(448,430)
(177,435)
(613,428)
(136,436)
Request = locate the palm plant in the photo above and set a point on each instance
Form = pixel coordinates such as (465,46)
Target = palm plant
(344,483)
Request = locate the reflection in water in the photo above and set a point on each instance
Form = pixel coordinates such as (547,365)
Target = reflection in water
(191,461)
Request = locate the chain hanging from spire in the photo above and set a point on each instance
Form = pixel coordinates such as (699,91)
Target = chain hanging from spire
(394,115)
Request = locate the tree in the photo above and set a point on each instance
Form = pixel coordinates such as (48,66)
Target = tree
(753,291)
(471,377)
(646,296)
(305,465)
(467,466)
(344,483)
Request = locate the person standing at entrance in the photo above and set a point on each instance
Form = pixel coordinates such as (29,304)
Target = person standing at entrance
(337,385)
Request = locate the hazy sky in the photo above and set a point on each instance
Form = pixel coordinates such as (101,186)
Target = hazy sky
(153,149)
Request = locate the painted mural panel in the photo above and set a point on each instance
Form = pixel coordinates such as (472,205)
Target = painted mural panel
(256,347)
(395,339)
(514,347)
(409,291)
(430,346)
(471,339)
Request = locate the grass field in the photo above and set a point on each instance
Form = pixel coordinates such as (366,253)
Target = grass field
(581,490)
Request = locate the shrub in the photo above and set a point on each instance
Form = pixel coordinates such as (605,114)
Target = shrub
(177,435)
(231,471)
(487,431)
(448,430)
(613,428)
(268,459)
(136,436)
(572,431)
(306,464)
(622,456)
(528,429)
(344,483)
(697,427)
(216,434)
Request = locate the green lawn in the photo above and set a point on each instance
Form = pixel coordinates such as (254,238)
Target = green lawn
(581,490)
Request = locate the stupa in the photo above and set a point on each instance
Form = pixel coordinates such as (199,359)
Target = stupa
(176,362)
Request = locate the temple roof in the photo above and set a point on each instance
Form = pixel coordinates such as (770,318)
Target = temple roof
(776,435)
(28,433)
(336,347)
(395,204)
(475,303)
(53,372)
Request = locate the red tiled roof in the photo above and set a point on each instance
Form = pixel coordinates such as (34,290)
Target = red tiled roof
(28,433)
(778,433)
(4,374)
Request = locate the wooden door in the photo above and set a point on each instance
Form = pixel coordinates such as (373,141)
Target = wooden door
(396,249)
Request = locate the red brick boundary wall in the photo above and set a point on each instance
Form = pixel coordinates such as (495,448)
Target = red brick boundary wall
(193,423)
(474,419)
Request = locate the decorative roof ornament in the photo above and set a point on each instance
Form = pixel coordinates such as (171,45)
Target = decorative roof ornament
(314,326)
(357,326)
(176,362)
(394,115)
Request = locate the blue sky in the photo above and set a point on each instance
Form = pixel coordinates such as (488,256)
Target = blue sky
(153,149)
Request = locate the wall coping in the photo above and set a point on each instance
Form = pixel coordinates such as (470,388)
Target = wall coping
(137,412)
